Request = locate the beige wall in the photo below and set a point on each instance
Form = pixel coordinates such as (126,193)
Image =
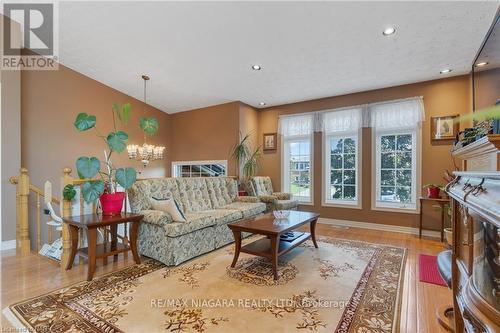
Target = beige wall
(205,134)
(441,97)
(51,101)
(10,138)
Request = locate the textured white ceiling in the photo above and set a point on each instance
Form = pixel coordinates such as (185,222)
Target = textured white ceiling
(200,54)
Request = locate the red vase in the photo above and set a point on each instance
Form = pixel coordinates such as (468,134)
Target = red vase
(433,192)
(112,203)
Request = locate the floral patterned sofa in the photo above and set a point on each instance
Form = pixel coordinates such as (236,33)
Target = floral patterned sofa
(209,204)
(262,188)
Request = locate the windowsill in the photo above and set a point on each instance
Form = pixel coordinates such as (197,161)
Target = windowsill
(341,205)
(409,210)
(305,203)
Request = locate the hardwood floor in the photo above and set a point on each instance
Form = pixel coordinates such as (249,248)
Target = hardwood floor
(25,277)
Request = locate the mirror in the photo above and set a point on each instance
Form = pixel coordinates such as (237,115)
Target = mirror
(486,70)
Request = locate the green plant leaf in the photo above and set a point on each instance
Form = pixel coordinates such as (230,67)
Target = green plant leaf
(126,177)
(92,190)
(117,141)
(69,192)
(84,121)
(149,125)
(251,166)
(116,109)
(125,113)
(87,167)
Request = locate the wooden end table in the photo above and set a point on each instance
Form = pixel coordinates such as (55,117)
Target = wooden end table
(441,202)
(272,247)
(90,223)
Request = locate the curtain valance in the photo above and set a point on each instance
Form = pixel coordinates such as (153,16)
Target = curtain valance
(303,124)
(403,113)
(342,120)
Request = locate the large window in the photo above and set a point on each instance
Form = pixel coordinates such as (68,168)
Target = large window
(342,169)
(297,165)
(199,169)
(396,169)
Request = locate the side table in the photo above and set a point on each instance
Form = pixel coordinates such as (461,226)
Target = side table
(441,202)
(90,223)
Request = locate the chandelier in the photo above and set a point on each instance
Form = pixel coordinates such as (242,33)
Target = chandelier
(146,152)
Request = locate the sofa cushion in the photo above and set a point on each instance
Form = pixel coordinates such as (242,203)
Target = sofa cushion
(222,190)
(142,191)
(247,208)
(156,217)
(286,204)
(262,185)
(224,216)
(194,194)
(195,221)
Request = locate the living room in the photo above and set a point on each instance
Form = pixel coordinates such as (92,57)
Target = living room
(266,166)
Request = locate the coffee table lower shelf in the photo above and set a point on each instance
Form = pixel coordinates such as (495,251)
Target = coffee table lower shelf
(262,247)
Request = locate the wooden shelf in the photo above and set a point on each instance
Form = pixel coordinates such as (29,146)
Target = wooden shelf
(486,145)
(262,247)
(104,250)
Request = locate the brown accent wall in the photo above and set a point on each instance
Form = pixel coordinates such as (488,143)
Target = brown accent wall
(441,97)
(205,134)
(50,103)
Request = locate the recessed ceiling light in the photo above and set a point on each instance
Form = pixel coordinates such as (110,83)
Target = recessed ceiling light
(446,71)
(389,31)
(262,103)
(481,64)
(256,67)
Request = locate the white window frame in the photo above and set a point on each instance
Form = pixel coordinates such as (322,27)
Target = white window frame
(356,204)
(413,208)
(285,166)
(175,171)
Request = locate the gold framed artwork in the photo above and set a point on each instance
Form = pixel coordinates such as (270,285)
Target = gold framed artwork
(270,140)
(444,127)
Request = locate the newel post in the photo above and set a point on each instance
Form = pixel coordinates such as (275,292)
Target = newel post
(66,212)
(22,223)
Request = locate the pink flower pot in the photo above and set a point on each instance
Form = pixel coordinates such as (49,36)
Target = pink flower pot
(112,203)
(433,192)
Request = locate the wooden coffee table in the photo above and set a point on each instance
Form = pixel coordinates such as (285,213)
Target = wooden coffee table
(90,223)
(271,247)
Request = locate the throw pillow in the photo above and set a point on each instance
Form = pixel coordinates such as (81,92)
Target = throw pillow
(170,206)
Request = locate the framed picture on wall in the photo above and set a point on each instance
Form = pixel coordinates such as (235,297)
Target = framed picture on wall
(444,127)
(270,140)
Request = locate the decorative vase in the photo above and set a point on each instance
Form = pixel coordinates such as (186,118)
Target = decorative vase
(112,203)
(433,192)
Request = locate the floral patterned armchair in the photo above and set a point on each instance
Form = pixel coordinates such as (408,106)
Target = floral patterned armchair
(262,188)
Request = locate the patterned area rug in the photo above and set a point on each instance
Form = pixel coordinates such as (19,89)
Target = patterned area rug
(344,286)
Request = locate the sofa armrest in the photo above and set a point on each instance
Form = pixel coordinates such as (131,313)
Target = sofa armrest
(248,199)
(282,195)
(156,217)
(268,198)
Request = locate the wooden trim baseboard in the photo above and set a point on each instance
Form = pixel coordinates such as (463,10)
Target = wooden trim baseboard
(381,227)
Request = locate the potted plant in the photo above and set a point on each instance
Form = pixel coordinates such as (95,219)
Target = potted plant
(433,191)
(105,187)
(246,160)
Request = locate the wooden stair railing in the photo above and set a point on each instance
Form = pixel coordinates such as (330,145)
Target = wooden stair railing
(23,190)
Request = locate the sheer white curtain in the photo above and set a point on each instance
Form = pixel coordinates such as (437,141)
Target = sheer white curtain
(404,113)
(342,120)
(298,125)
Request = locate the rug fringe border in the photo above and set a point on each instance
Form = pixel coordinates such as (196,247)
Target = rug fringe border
(14,320)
